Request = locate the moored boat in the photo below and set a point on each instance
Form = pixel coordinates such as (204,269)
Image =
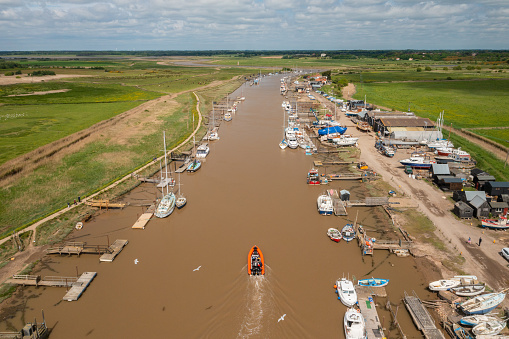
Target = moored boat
(355,327)
(496,224)
(373,282)
(443,284)
(324,204)
(313,177)
(283,144)
(255,262)
(482,304)
(292,142)
(469,290)
(166,206)
(227,116)
(202,151)
(348,232)
(334,234)
(194,166)
(490,328)
(346,292)
(474,320)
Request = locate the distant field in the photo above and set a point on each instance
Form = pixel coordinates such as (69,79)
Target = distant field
(466,103)
(499,135)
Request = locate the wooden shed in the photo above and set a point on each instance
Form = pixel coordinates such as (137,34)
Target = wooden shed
(496,188)
(481,179)
(498,208)
(480,206)
(463,210)
(449,183)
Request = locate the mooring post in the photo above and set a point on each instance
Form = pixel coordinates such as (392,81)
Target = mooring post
(77,271)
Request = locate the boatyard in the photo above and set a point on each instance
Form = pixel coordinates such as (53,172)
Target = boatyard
(249,192)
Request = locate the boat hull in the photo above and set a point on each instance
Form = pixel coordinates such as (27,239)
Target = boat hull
(373,282)
(255,252)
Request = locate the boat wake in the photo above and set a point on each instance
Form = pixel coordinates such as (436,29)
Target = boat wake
(258,304)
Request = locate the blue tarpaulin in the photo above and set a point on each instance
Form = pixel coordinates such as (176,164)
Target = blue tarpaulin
(333,129)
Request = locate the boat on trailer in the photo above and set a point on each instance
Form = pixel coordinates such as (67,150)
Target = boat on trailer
(255,262)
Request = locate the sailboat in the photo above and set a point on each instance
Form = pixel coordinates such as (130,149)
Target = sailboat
(213,135)
(283,144)
(167,203)
(195,164)
(181,200)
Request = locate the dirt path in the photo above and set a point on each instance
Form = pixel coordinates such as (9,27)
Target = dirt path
(483,261)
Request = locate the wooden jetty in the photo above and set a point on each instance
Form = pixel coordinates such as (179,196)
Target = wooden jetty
(393,245)
(33,330)
(337,204)
(368,201)
(421,317)
(183,167)
(345,176)
(78,248)
(367,306)
(114,249)
(319,163)
(105,204)
(79,286)
(144,218)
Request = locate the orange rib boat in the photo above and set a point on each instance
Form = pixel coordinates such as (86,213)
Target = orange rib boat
(255,263)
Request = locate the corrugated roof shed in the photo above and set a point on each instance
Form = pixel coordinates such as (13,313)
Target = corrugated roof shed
(463,205)
(485,177)
(499,184)
(440,169)
(451,180)
(477,202)
(498,204)
(469,195)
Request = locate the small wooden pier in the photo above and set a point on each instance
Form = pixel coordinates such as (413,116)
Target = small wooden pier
(319,163)
(345,176)
(393,245)
(77,285)
(78,248)
(105,204)
(145,218)
(337,204)
(367,306)
(183,167)
(421,317)
(368,202)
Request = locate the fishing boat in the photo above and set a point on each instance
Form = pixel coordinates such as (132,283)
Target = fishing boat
(346,292)
(355,327)
(348,232)
(474,320)
(373,282)
(313,177)
(482,304)
(492,327)
(324,204)
(194,165)
(459,332)
(255,262)
(292,142)
(227,116)
(202,151)
(496,224)
(167,203)
(363,126)
(417,162)
(469,290)
(344,140)
(181,199)
(334,234)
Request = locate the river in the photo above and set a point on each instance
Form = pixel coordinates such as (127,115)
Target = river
(248,192)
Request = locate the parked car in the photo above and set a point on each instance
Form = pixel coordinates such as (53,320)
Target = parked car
(505,252)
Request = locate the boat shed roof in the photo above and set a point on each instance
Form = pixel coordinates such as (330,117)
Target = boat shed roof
(485,177)
(504,197)
(498,184)
(469,195)
(477,202)
(407,122)
(440,169)
(498,204)
(463,205)
(450,180)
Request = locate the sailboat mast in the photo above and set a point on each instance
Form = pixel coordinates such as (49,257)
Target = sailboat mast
(165,162)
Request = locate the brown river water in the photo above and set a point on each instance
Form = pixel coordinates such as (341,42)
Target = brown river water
(248,192)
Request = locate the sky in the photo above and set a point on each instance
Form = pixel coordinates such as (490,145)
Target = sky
(27,25)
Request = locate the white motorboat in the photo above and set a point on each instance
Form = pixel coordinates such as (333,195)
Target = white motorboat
(202,151)
(345,141)
(227,116)
(492,327)
(324,204)
(283,144)
(292,142)
(417,162)
(346,292)
(355,327)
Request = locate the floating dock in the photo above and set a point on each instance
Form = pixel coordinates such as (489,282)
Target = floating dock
(337,205)
(113,250)
(421,317)
(367,306)
(79,286)
(145,218)
(78,248)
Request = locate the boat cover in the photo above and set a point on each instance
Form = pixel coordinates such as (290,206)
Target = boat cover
(333,129)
